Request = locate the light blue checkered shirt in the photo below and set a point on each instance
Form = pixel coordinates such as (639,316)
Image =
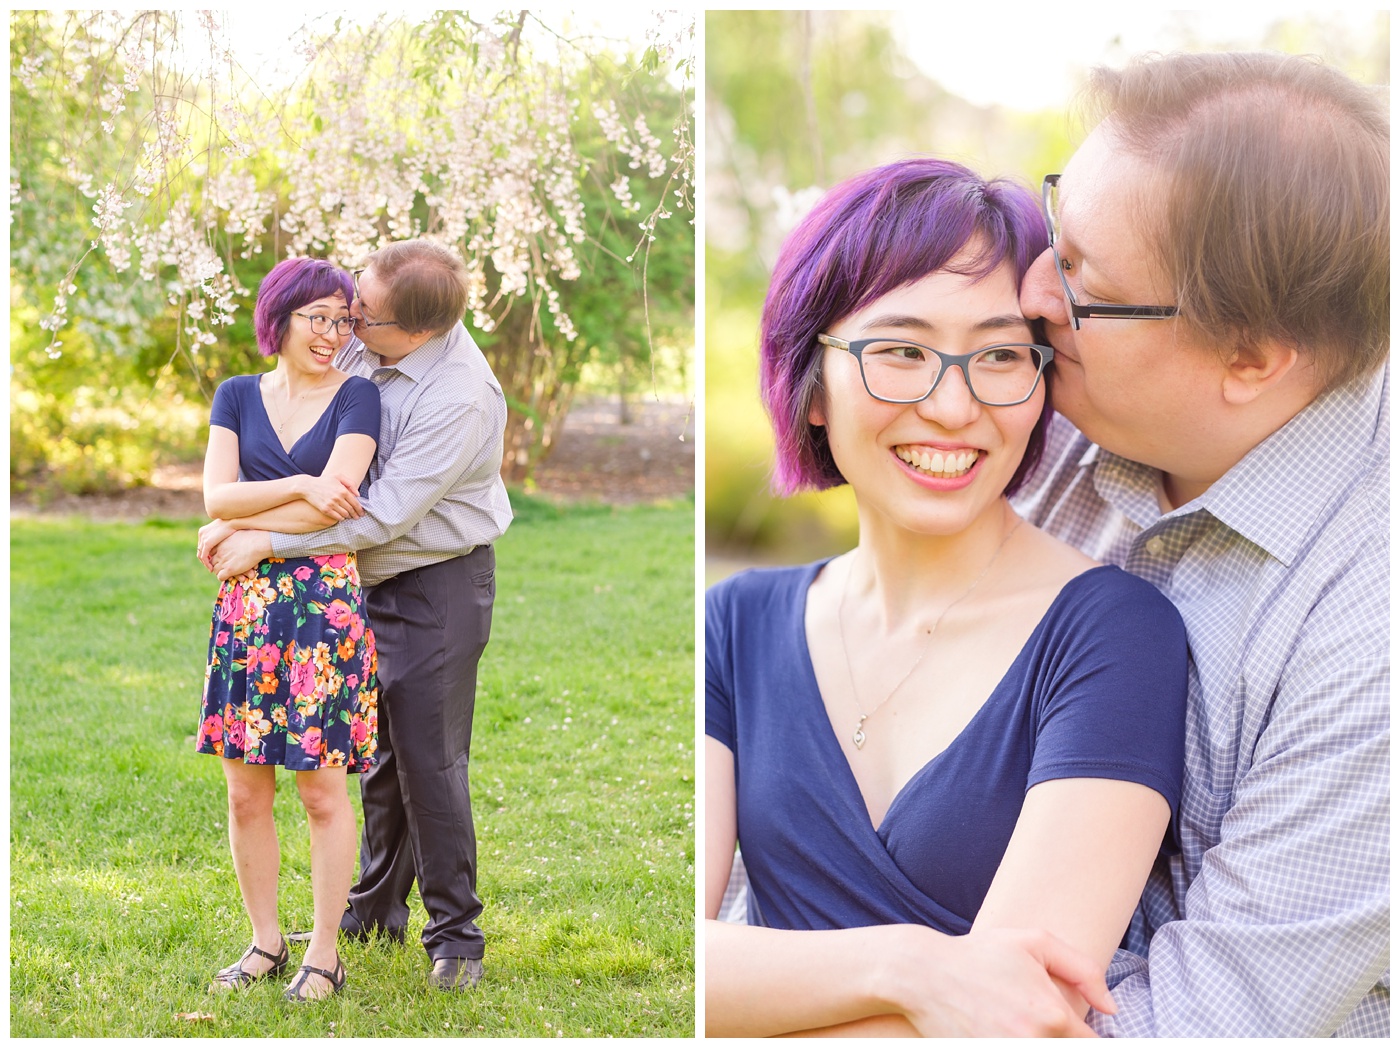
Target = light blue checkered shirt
(435,488)
(1275,918)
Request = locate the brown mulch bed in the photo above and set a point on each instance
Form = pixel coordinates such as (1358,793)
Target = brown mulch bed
(597,459)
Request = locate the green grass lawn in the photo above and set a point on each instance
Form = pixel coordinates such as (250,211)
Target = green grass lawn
(123,900)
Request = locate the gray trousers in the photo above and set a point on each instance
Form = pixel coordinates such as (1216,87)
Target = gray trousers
(431,626)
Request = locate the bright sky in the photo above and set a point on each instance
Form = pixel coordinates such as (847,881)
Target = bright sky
(1028,58)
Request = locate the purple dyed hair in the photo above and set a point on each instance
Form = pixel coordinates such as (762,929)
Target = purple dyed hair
(293,283)
(883,229)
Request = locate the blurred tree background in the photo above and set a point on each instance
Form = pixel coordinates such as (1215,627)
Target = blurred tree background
(154,180)
(796,101)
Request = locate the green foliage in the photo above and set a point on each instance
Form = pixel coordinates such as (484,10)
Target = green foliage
(102,109)
(123,898)
(72,426)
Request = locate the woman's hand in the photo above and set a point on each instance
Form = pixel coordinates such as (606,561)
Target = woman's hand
(895,979)
(209,538)
(1000,982)
(332,495)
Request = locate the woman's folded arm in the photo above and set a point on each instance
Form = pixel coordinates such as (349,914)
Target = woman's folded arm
(765,981)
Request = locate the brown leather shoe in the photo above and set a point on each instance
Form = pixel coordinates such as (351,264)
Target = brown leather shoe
(455,973)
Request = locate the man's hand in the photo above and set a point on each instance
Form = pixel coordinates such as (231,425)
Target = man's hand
(239,552)
(1000,982)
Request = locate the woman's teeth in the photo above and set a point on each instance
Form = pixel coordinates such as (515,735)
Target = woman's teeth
(938,463)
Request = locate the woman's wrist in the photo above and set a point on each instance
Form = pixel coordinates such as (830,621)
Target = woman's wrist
(901,966)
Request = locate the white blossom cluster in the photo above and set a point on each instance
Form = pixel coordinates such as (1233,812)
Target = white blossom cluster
(670,44)
(375,143)
(495,171)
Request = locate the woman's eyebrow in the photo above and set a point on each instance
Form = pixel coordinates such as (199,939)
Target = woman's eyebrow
(904,320)
(1006,320)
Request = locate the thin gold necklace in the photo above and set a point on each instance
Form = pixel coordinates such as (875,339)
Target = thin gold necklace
(859,737)
(301,403)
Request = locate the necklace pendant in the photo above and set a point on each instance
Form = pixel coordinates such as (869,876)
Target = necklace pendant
(859,737)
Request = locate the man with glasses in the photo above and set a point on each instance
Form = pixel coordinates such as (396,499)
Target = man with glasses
(1217,295)
(436,503)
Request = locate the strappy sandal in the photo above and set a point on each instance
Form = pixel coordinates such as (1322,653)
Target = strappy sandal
(294,991)
(235,977)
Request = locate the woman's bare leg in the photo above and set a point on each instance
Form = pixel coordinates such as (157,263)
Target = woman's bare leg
(333,840)
(252,837)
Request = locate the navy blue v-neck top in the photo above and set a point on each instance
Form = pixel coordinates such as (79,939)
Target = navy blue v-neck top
(1098,691)
(238,405)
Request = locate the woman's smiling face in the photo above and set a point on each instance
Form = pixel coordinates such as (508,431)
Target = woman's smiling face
(931,467)
(307,349)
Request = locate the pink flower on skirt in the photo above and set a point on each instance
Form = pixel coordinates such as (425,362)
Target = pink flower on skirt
(311,742)
(359,731)
(236,738)
(339,614)
(335,560)
(352,682)
(222,638)
(357,627)
(302,573)
(231,605)
(212,728)
(266,656)
(303,678)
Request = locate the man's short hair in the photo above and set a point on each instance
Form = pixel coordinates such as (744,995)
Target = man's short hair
(425,284)
(878,231)
(1277,219)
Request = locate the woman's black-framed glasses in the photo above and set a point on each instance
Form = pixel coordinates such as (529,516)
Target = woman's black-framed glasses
(901,372)
(355,276)
(1049,191)
(320,325)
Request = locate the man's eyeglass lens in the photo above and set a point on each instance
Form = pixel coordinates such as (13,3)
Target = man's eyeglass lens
(1050,202)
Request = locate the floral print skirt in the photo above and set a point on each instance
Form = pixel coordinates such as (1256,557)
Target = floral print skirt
(292,668)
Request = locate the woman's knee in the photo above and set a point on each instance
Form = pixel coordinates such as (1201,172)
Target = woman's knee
(250,798)
(323,793)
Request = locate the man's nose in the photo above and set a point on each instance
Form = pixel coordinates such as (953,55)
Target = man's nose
(1041,294)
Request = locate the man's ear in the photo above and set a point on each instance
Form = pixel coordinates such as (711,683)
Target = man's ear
(1256,367)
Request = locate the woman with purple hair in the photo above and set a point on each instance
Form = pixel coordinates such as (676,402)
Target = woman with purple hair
(291,679)
(954,750)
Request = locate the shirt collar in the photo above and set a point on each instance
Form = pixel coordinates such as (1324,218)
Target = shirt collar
(1275,494)
(416,364)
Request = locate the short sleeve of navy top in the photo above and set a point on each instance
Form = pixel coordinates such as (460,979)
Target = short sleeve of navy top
(238,405)
(1098,691)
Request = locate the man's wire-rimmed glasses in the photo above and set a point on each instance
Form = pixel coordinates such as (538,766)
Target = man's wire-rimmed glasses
(1049,192)
(901,372)
(355,276)
(320,324)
